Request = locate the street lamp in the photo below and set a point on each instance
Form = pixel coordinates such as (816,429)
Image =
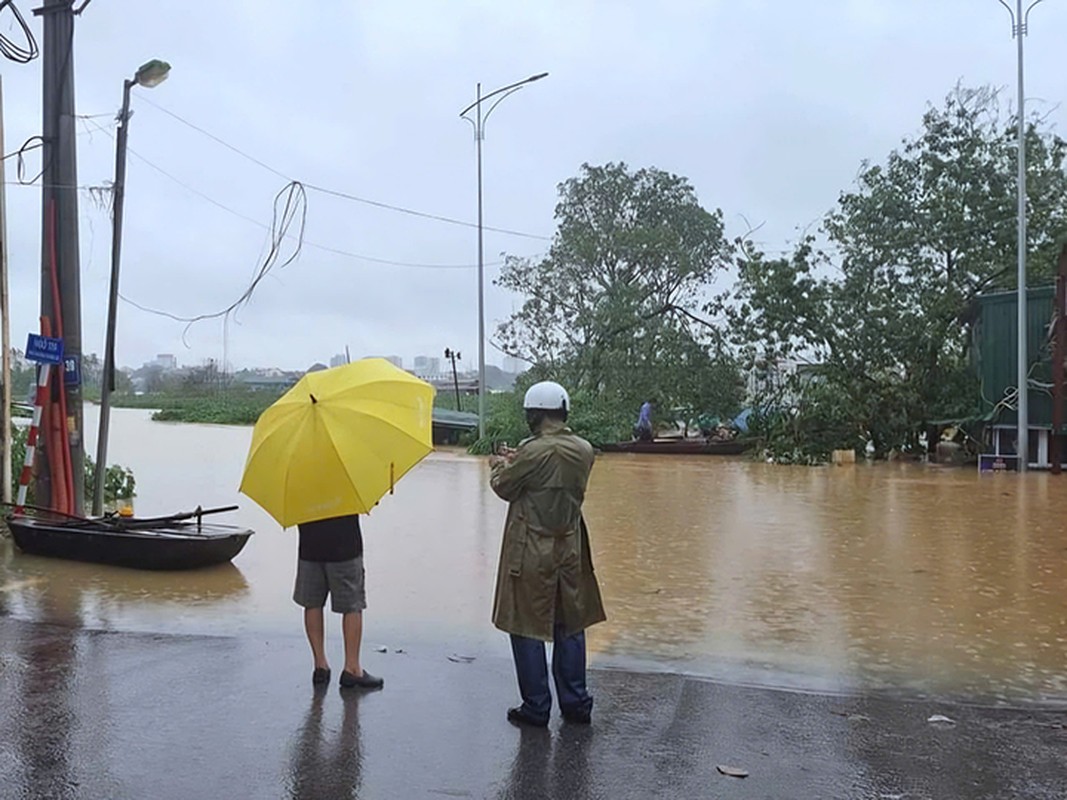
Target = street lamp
(1019,30)
(454,356)
(149,75)
(479,134)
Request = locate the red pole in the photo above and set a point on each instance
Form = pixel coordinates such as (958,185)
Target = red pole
(1059,352)
(31,438)
(66,477)
(57,463)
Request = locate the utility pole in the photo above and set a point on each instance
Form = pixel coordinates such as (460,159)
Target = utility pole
(1059,355)
(5,321)
(479,134)
(453,356)
(59,194)
(107,383)
(1019,29)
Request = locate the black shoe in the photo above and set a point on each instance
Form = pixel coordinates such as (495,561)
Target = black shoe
(520,716)
(320,677)
(578,717)
(364,681)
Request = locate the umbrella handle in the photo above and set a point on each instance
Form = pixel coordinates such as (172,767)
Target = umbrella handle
(392,480)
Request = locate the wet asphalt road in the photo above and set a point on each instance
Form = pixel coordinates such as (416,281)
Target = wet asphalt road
(114,715)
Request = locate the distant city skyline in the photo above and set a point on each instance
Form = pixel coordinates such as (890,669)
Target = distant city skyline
(419,364)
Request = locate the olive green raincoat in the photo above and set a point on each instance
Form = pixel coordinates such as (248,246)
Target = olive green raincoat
(546,569)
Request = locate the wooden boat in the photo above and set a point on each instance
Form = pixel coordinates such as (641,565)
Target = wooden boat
(700,447)
(180,541)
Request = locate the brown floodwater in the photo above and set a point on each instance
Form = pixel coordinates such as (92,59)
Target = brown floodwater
(903,578)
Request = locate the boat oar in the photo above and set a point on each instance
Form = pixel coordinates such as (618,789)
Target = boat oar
(180,517)
(67,520)
(118,521)
(52,511)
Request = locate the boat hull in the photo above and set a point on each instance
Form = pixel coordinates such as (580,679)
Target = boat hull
(679,447)
(178,546)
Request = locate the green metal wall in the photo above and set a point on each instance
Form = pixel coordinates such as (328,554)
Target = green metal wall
(997,343)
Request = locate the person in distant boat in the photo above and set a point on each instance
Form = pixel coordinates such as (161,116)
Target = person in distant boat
(331,563)
(643,428)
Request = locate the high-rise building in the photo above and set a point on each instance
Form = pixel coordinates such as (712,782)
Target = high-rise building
(166,361)
(396,361)
(338,360)
(427,366)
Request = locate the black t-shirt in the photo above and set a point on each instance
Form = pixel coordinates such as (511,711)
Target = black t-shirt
(334,539)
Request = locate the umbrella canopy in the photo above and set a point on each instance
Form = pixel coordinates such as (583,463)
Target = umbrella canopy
(337,441)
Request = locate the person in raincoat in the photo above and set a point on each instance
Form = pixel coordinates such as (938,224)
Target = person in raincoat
(546,590)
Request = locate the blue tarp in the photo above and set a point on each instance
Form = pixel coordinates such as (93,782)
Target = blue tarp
(741,420)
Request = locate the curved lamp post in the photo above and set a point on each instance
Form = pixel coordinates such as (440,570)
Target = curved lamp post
(479,134)
(1020,19)
(149,75)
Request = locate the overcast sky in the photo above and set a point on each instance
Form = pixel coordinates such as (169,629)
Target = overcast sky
(767,106)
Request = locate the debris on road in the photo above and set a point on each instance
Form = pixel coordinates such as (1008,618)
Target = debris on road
(732,772)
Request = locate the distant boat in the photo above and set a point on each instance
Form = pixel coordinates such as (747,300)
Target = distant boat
(697,447)
(177,542)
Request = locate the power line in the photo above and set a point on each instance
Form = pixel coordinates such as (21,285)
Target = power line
(337,193)
(306,243)
(15,52)
(290,206)
(258,224)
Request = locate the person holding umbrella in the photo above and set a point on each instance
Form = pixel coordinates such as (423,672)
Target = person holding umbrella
(546,589)
(330,562)
(324,453)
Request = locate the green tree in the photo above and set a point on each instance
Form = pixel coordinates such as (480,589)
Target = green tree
(887,311)
(613,309)
(119,482)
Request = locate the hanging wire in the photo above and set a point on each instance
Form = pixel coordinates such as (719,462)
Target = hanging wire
(307,243)
(290,207)
(11,50)
(335,192)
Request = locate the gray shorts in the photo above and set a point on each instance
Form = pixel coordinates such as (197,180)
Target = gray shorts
(341,580)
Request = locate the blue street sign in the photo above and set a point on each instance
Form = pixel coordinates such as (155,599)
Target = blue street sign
(44,349)
(72,370)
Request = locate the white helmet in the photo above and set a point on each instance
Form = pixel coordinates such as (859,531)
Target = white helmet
(547,396)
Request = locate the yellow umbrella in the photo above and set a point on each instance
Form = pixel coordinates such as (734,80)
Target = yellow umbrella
(337,441)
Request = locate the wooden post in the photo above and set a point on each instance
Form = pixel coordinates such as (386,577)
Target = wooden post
(1059,352)
(5,325)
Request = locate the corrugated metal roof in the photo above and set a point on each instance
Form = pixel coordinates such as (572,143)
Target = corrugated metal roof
(455,419)
(997,344)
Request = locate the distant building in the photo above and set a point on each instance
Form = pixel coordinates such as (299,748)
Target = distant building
(427,366)
(166,361)
(773,378)
(997,367)
(396,361)
(267,382)
(338,360)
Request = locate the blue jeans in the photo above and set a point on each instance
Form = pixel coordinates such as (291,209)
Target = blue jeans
(568,670)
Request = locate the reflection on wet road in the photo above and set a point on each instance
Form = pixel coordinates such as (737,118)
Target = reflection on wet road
(896,576)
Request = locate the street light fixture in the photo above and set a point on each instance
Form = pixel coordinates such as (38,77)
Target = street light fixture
(149,75)
(479,134)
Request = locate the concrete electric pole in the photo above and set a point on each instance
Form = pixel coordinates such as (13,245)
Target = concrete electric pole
(60,270)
